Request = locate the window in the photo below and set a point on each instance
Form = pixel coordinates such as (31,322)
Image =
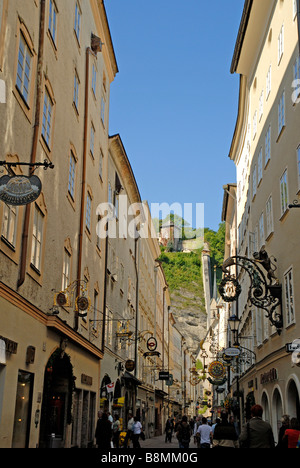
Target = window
(259,166)
(296,81)
(9,227)
(281,113)
(295,8)
(37,238)
(254,182)
(261,105)
(284,192)
(72,171)
(268,82)
(96,307)
(92,140)
(269,216)
(88,212)
(261,230)
(254,124)
(289,297)
(76,90)
(101,165)
(280,43)
(77,23)
(268,146)
(103,110)
(66,270)
(24,69)
(94,79)
(52,20)
(109,328)
(47,118)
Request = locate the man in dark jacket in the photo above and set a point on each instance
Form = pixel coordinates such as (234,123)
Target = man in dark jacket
(184,433)
(257,433)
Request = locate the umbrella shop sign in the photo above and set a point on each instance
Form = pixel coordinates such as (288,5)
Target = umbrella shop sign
(19,190)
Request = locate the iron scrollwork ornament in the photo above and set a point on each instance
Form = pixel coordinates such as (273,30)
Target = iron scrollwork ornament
(266,295)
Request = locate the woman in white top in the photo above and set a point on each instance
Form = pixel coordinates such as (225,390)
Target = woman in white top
(136,429)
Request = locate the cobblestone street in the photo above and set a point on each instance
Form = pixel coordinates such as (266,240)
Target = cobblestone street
(159,442)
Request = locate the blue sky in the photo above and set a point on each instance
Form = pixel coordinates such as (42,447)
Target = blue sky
(174,101)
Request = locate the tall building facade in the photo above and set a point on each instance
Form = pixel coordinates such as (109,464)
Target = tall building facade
(56,63)
(265,150)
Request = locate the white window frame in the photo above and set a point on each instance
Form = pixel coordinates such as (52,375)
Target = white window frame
(77,23)
(37,238)
(261,230)
(47,118)
(284,192)
(9,224)
(52,24)
(259,166)
(94,79)
(254,124)
(289,297)
(269,216)
(24,69)
(254,182)
(280,44)
(72,173)
(268,145)
(269,82)
(88,214)
(281,113)
(261,105)
(92,140)
(66,270)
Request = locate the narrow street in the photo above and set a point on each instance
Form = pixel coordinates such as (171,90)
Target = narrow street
(159,442)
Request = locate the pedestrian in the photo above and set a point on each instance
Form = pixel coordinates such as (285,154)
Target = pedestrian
(285,424)
(169,430)
(257,433)
(129,430)
(184,433)
(197,424)
(116,430)
(205,434)
(103,433)
(218,420)
(136,432)
(224,435)
(293,433)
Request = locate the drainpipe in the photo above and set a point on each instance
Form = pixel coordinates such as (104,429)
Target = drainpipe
(35,138)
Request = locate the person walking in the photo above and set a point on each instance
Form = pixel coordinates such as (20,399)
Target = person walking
(257,433)
(224,434)
(116,430)
(169,430)
(136,432)
(184,433)
(205,434)
(293,433)
(285,424)
(103,433)
(129,430)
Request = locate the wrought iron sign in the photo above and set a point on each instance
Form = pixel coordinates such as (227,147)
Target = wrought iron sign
(266,295)
(18,190)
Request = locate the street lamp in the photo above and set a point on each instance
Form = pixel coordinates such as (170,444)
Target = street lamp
(234,323)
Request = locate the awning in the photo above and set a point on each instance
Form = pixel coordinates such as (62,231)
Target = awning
(131,377)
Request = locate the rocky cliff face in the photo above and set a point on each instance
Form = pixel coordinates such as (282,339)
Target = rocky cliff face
(187,309)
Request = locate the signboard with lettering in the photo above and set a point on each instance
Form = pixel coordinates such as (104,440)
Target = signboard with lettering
(19,190)
(163,375)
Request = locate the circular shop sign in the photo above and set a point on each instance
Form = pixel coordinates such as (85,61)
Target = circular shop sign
(217,370)
(230,289)
(151,343)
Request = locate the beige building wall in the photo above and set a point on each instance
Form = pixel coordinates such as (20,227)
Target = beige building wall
(265,151)
(71,82)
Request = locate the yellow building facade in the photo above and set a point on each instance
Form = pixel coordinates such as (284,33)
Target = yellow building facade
(265,150)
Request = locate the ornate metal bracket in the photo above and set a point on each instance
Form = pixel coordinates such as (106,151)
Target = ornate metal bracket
(264,295)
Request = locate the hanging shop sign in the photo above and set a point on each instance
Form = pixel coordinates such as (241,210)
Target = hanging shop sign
(217,370)
(151,343)
(230,289)
(232,352)
(217,382)
(19,190)
(164,375)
